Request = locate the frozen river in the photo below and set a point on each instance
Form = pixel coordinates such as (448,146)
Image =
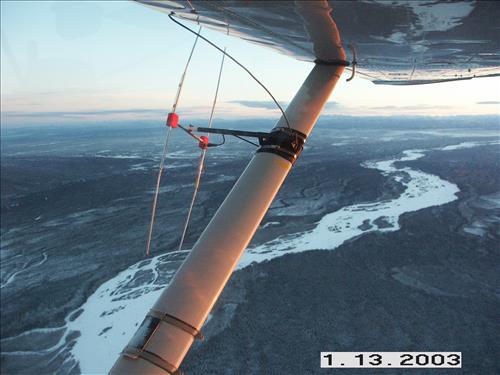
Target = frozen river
(111,315)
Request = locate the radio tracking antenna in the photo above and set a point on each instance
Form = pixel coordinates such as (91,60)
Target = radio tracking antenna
(171,123)
(203,144)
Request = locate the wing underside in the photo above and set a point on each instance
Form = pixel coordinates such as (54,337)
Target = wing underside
(396,42)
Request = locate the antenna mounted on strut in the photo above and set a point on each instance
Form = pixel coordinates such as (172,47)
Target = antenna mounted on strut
(203,145)
(172,122)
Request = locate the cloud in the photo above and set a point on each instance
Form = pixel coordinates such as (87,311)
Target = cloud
(263,104)
(187,113)
(416,107)
(269,104)
(231,110)
(332,107)
(338,108)
(494,102)
(17,118)
(82,114)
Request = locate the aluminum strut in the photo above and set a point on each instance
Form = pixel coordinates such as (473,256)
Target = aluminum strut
(158,346)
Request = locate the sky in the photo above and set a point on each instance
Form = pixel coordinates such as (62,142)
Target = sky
(67,62)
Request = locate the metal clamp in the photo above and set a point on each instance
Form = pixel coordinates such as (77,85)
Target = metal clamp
(285,142)
(137,347)
(170,319)
(134,353)
(354,63)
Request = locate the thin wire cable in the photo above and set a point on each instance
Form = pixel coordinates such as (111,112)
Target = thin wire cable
(238,63)
(165,149)
(190,133)
(202,158)
(246,140)
(223,140)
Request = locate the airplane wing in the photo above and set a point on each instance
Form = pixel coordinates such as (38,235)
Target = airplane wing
(396,42)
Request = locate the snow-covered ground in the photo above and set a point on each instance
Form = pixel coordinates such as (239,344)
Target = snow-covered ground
(110,316)
(116,308)
(422,190)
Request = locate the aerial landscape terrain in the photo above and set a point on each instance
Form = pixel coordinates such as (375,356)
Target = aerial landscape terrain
(385,237)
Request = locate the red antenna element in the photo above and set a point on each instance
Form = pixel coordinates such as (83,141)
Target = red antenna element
(172,120)
(203,144)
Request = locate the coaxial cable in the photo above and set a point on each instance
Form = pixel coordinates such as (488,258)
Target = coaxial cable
(171,16)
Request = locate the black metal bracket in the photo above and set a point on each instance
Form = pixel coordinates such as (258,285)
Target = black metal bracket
(285,142)
(261,136)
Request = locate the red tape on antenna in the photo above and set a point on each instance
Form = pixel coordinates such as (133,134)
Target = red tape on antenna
(203,144)
(172,120)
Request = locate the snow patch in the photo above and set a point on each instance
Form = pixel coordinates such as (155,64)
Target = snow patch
(113,312)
